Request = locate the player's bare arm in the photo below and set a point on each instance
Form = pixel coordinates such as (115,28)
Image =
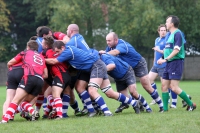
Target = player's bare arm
(102,52)
(45,73)
(114,52)
(174,52)
(51,61)
(110,67)
(11,62)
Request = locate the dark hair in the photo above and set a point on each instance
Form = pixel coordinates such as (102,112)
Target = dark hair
(174,20)
(33,38)
(161,25)
(58,44)
(33,45)
(44,30)
(49,41)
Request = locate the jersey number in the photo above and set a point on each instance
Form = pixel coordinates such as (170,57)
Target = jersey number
(37,59)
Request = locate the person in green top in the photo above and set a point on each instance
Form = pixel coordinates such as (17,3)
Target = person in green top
(174,54)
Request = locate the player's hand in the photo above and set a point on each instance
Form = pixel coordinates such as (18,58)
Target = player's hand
(102,52)
(155,48)
(161,61)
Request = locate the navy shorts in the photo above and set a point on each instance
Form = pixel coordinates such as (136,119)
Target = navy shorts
(127,80)
(174,70)
(14,78)
(32,84)
(158,70)
(99,70)
(62,81)
(141,68)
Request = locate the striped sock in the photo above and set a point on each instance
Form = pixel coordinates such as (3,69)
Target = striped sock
(65,101)
(86,98)
(100,101)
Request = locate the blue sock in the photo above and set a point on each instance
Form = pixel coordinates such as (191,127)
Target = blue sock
(144,102)
(44,105)
(100,101)
(153,85)
(86,98)
(84,105)
(174,98)
(122,98)
(75,105)
(65,101)
(157,98)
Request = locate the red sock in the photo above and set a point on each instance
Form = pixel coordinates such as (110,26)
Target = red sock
(39,101)
(10,112)
(27,107)
(58,104)
(50,100)
(47,109)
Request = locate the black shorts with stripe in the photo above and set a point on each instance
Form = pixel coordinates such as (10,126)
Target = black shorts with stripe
(32,85)
(14,78)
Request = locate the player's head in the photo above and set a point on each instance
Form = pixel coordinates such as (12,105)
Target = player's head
(33,38)
(58,47)
(112,39)
(32,45)
(162,30)
(172,22)
(47,42)
(72,29)
(44,31)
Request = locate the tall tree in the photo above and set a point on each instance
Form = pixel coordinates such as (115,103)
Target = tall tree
(136,21)
(188,13)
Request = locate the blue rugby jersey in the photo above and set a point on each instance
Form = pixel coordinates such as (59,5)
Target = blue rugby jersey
(39,41)
(78,58)
(159,42)
(127,52)
(121,67)
(78,41)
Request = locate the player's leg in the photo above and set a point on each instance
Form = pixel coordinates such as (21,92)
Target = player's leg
(106,88)
(152,76)
(141,71)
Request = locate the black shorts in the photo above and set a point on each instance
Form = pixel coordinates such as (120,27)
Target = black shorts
(83,75)
(49,80)
(73,82)
(14,77)
(32,84)
(62,81)
(127,80)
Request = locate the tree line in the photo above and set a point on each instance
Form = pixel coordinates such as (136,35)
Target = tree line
(135,21)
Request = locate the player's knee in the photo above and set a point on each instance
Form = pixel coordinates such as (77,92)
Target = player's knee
(106,91)
(92,87)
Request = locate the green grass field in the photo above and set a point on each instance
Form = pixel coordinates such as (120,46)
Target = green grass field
(174,121)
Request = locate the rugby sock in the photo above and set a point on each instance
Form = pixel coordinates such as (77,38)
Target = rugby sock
(39,102)
(100,101)
(27,107)
(65,101)
(165,97)
(50,101)
(10,112)
(86,98)
(84,105)
(58,105)
(184,96)
(47,109)
(157,98)
(122,98)
(174,98)
(144,102)
(44,105)
(95,105)
(75,105)
(169,90)
(153,85)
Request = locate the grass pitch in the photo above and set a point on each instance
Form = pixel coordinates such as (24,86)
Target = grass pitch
(174,121)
